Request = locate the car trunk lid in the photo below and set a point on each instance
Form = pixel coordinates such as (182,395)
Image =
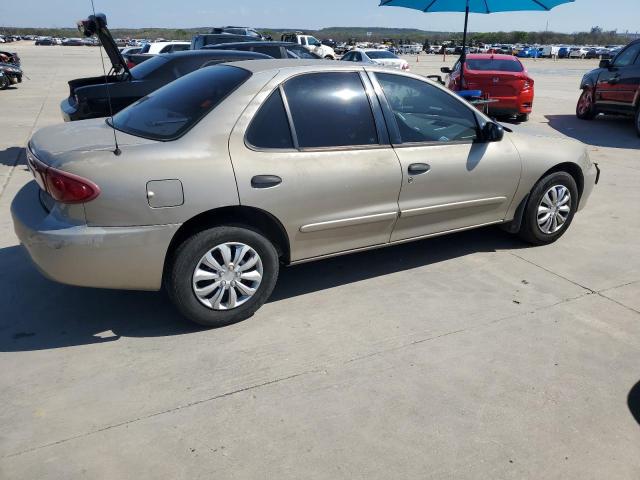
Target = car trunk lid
(494,82)
(97,25)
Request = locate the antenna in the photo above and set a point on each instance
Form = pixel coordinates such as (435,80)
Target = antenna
(100,22)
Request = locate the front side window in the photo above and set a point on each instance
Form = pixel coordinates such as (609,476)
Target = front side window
(313,41)
(270,126)
(172,110)
(627,56)
(330,110)
(424,113)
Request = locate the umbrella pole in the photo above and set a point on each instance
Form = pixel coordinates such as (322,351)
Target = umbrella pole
(463,57)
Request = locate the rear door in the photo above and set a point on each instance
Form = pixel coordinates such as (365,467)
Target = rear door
(313,152)
(450,180)
(618,85)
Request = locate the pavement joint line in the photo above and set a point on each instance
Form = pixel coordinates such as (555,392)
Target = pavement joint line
(24,143)
(618,302)
(554,273)
(289,377)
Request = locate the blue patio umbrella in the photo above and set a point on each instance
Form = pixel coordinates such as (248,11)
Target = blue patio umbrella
(474,6)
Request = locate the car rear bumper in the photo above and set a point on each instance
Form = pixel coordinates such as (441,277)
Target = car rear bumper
(101,257)
(511,105)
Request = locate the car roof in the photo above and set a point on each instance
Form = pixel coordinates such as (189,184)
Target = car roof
(257,66)
(489,56)
(257,43)
(211,53)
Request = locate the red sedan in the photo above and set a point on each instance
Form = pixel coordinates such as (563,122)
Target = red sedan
(500,77)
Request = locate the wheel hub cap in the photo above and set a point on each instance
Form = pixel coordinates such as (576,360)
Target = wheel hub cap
(554,209)
(227,276)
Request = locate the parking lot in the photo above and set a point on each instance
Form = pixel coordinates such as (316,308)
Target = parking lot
(467,356)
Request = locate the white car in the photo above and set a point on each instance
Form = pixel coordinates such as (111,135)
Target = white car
(311,43)
(377,57)
(579,52)
(165,47)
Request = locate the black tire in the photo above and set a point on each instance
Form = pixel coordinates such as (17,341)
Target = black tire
(329,57)
(522,117)
(638,120)
(185,258)
(585,108)
(4,82)
(529,230)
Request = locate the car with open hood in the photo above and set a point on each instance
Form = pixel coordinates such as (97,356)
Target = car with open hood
(105,95)
(208,185)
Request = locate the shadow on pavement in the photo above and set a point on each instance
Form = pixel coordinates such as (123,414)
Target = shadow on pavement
(633,401)
(12,156)
(40,314)
(603,131)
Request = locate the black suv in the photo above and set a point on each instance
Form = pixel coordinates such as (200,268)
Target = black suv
(614,87)
(273,49)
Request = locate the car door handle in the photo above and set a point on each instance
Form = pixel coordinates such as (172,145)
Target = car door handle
(265,181)
(418,168)
(614,80)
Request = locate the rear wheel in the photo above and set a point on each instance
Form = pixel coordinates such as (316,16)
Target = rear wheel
(4,82)
(585,109)
(522,117)
(222,275)
(638,120)
(328,57)
(550,209)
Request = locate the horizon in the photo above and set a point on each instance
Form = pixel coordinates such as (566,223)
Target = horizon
(578,16)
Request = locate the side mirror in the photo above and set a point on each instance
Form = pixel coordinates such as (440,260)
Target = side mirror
(492,132)
(604,63)
(436,78)
(446,70)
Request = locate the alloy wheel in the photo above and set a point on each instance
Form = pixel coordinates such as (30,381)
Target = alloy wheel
(227,276)
(554,209)
(585,102)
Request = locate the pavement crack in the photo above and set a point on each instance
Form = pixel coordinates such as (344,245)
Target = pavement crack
(163,412)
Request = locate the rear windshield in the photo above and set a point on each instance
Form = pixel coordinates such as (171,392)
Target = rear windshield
(171,111)
(380,54)
(494,65)
(142,70)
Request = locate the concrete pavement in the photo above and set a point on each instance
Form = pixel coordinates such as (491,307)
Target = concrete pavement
(468,356)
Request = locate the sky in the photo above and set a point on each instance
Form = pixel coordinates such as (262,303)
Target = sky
(581,15)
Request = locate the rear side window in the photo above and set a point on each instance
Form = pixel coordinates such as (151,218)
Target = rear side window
(494,65)
(330,110)
(169,112)
(297,51)
(270,126)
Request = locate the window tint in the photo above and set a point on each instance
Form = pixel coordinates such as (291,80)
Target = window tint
(424,113)
(357,57)
(270,126)
(179,47)
(150,67)
(348,57)
(627,56)
(493,64)
(169,112)
(330,110)
(268,50)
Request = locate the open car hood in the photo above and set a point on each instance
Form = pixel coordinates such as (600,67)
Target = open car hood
(97,25)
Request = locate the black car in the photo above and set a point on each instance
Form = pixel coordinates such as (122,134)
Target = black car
(202,39)
(45,41)
(93,97)
(11,75)
(10,57)
(614,87)
(273,49)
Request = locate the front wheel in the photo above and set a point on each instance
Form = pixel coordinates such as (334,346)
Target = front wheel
(4,82)
(638,120)
(329,57)
(522,117)
(550,209)
(585,109)
(222,275)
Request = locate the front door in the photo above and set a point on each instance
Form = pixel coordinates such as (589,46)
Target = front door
(450,181)
(618,85)
(311,153)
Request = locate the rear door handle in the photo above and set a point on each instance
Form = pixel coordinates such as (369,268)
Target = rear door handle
(418,168)
(265,181)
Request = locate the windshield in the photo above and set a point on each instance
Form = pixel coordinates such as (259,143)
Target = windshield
(494,65)
(380,54)
(171,111)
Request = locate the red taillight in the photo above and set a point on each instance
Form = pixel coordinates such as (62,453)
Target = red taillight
(528,83)
(68,188)
(62,186)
